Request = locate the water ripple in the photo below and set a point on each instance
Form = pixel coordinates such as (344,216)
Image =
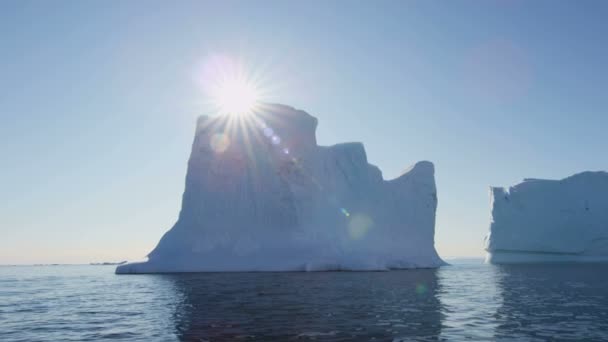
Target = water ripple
(466,301)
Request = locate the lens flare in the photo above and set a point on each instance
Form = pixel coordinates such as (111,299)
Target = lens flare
(219,143)
(359,225)
(421,289)
(268,132)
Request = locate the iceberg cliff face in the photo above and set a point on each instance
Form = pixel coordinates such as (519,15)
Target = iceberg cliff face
(550,221)
(261,195)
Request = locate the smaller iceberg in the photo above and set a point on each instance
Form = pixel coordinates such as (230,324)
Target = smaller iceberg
(550,221)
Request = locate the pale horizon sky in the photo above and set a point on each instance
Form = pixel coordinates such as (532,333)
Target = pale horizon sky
(98,102)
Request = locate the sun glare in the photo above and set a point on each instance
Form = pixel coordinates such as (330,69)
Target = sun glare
(236,96)
(231,87)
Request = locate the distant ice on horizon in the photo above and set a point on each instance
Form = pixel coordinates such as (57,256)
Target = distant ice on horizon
(550,220)
(261,195)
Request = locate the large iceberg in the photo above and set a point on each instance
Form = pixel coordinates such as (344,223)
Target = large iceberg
(261,195)
(550,220)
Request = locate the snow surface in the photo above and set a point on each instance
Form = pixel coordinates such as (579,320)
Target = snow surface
(261,195)
(550,220)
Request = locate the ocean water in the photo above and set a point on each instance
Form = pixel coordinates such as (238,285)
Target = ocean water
(466,301)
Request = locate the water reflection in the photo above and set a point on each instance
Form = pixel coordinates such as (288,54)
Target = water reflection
(553,302)
(469,301)
(305,306)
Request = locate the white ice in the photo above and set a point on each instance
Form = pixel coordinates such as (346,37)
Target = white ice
(550,220)
(261,195)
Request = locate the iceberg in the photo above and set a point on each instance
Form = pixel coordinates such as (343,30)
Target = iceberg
(550,221)
(261,195)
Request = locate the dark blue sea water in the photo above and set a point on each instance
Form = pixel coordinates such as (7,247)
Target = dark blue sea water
(468,300)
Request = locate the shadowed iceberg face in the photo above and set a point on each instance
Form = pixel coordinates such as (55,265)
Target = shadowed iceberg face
(261,195)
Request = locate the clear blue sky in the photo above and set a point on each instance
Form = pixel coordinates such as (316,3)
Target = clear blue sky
(98,102)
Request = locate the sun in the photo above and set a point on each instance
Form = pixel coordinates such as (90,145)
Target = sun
(232,87)
(235,96)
